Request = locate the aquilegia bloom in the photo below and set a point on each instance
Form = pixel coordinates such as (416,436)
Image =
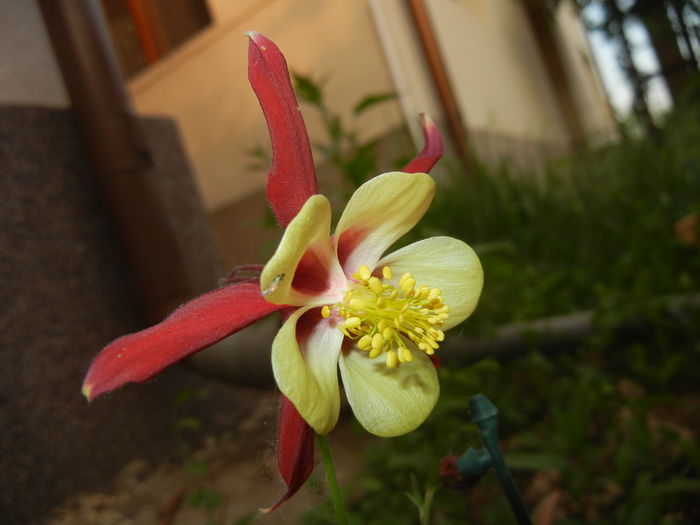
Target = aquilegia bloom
(378,318)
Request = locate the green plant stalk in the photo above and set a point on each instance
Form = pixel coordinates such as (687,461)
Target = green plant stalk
(340,512)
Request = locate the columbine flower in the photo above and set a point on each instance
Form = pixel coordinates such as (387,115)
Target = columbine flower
(379,319)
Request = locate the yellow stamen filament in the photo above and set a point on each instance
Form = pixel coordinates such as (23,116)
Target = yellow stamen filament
(383,316)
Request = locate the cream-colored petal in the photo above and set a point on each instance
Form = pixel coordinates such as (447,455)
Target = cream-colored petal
(307,236)
(444,263)
(389,401)
(307,371)
(378,213)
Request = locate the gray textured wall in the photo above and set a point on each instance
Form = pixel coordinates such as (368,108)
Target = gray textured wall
(63,295)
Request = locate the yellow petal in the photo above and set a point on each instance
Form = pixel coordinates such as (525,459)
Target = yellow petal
(447,264)
(378,213)
(389,401)
(307,373)
(307,237)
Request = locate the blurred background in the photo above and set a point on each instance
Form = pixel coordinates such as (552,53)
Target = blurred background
(134,157)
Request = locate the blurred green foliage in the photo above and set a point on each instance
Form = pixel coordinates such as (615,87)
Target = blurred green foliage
(354,158)
(606,432)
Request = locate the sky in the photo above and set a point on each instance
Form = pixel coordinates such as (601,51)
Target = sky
(618,89)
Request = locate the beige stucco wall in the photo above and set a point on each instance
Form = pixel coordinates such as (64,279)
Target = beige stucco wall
(501,84)
(499,77)
(589,94)
(204,84)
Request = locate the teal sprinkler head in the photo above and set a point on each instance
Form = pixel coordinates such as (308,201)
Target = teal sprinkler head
(474,463)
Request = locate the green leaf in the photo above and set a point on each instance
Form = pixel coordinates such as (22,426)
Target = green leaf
(307,90)
(194,499)
(535,461)
(190,393)
(361,164)
(196,467)
(246,518)
(335,127)
(372,100)
(672,486)
(188,423)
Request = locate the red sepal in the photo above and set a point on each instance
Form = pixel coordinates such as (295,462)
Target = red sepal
(292,177)
(295,449)
(432,149)
(192,327)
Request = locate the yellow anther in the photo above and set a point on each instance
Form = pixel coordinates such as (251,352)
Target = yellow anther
(364,272)
(387,273)
(422,292)
(440,335)
(399,355)
(375,285)
(408,285)
(352,322)
(365,342)
(356,303)
(384,317)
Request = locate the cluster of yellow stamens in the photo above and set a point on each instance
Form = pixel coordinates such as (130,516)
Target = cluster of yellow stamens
(380,316)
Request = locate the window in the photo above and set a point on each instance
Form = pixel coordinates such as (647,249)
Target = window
(143,31)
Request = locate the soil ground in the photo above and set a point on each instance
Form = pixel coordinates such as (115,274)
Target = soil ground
(241,469)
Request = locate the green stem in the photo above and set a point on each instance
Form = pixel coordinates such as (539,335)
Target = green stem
(340,512)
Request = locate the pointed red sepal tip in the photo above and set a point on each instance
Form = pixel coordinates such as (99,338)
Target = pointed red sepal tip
(432,151)
(87,392)
(292,177)
(192,327)
(295,450)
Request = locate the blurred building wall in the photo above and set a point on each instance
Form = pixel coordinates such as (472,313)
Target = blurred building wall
(204,83)
(505,94)
(508,98)
(592,102)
